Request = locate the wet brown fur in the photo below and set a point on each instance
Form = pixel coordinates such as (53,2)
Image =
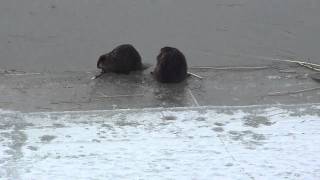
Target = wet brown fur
(171,66)
(122,59)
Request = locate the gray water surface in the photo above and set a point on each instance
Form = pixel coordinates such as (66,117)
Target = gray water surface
(61,35)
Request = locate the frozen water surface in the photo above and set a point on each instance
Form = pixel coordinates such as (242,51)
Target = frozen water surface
(255,142)
(57,35)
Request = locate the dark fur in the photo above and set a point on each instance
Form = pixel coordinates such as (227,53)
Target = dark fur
(122,59)
(171,66)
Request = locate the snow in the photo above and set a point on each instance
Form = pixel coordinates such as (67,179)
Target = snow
(257,142)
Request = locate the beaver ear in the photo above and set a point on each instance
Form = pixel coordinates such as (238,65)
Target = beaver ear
(160,56)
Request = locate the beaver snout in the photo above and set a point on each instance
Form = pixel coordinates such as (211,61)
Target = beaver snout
(100,61)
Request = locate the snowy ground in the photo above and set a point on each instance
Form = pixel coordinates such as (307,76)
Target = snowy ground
(254,142)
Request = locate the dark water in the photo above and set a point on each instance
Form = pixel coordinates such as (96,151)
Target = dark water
(60,35)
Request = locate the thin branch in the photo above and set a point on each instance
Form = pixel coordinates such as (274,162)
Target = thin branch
(117,96)
(97,76)
(283,60)
(292,92)
(287,71)
(193,98)
(231,68)
(310,67)
(195,75)
(303,63)
(21,74)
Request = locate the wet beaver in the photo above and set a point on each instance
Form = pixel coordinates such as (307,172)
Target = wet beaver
(122,59)
(171,66)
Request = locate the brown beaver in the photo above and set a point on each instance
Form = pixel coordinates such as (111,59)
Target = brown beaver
(122,59)
(171,66)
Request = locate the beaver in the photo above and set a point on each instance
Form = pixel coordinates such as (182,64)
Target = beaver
(122,59)
(171,66)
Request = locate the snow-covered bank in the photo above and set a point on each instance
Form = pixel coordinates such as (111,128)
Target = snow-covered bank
(260,142)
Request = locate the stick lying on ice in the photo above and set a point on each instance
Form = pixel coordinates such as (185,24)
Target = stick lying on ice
(195,75)
(292,92)
(231,68)
(117,96)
